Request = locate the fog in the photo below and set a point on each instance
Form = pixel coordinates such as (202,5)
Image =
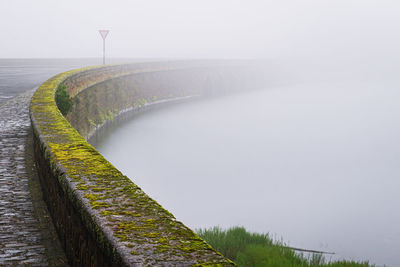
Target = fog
(313,158)
(315,164)
(308,29)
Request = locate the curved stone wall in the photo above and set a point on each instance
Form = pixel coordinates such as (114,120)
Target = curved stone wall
(102,217)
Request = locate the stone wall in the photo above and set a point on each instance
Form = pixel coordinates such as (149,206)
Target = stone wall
(102,217)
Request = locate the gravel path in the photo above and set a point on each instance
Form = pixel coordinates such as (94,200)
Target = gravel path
(27,236)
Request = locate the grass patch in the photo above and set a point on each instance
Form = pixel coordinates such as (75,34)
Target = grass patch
(254,249)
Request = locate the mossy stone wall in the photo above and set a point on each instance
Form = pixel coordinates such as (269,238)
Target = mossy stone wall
(105,101)
(102,217)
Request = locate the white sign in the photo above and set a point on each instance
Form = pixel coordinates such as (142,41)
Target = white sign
(103,33)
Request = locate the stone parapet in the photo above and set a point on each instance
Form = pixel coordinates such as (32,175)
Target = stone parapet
(102,217)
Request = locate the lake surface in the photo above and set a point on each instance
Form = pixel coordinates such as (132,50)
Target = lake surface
(316,165)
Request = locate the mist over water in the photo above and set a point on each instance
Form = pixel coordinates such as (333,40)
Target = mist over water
(315,164)
(313,158)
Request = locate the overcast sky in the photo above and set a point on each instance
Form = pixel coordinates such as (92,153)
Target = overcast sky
(201,28)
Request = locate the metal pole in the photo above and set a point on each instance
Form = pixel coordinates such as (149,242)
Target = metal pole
(104,51)
(104,34)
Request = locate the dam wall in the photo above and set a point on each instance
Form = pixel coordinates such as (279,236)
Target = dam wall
(101,216)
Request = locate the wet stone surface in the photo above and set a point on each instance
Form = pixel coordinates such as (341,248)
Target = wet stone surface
(27,236)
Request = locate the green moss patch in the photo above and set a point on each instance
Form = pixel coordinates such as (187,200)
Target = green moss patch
(145,232)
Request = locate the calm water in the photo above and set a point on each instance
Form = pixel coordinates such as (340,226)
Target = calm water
(315,164)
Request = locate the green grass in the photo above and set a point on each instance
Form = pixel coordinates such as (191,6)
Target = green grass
(254,249)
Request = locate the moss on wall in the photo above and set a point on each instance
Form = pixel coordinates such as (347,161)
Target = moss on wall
(105,100)
(129,227)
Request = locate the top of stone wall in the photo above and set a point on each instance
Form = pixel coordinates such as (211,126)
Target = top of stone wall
(126,222)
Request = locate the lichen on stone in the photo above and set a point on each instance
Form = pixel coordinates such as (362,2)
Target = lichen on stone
(121,211)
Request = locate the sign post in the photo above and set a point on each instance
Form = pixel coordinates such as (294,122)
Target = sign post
(104,34)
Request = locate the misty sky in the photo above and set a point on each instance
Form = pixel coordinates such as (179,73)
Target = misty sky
(206,28)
